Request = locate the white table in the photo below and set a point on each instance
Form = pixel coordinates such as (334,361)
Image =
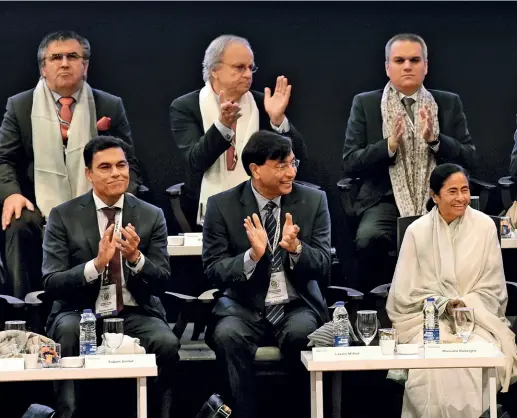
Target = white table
(138,373)
(385,362)
(508,243)
(177,250)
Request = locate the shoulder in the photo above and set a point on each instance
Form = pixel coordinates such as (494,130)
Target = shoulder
(104,96)
(369,96)
(480,219)
(230,196)
(145,208)
(444,96)
(309,195)
(257,95)
(187,100)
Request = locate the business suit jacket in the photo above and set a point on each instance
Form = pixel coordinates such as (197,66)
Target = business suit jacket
(225,242)
(16,152)
(200,150)
(72,239)
(365,152)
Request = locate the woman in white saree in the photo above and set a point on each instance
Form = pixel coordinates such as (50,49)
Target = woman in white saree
(452,254)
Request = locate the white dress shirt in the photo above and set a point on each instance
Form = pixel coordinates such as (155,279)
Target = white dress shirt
(90,272)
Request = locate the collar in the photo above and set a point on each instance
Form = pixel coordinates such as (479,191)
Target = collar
(99,204)
(414,96)
(57,96)
(261,200)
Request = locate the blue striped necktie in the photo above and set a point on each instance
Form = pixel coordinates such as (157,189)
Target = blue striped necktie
(274,313)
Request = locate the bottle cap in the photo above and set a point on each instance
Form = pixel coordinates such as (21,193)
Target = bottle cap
(87,311)
(339,303)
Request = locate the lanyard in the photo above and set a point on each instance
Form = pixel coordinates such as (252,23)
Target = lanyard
(272,248)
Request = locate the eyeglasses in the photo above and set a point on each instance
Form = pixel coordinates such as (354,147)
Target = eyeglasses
(242,68)
(284,166)
(58,58)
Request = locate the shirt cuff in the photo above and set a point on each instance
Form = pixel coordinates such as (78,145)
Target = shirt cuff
(90,272)
(284,126)
(390,152)
(227,133)
(293,259)
(249,264)
(139,265)
(435,148)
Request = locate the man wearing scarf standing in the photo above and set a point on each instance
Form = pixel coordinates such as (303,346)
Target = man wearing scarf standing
(394,139)
(42,138)
(211,126)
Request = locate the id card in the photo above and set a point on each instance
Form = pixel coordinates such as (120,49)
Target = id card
(106,304)
(277,292)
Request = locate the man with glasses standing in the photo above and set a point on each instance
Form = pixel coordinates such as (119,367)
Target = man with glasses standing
(211,126)
(266,247)
(42,138)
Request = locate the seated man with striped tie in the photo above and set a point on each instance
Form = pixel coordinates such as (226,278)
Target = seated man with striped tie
(107,251)
(394,138)
(211,126)
(42,138)
(266,247)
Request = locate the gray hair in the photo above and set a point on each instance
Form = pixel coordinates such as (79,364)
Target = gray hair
(215,50)
(59,36)
(411,37)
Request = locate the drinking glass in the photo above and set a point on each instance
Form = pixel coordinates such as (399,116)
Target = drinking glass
(113,333)
(464,322)
(366,325)
(16,331)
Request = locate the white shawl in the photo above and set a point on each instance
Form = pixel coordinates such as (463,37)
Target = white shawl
(217,178)
(56,179)
(465,264)
(413,162)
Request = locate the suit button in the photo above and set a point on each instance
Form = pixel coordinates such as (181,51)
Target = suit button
(227,136)
(260,313)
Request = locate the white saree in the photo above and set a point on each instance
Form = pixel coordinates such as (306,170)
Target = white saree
(457,261)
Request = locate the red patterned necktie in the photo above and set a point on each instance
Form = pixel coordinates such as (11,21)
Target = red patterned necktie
(231,155)
(65,113)
(115,265)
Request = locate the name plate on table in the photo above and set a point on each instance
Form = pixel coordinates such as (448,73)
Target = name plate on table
(345,353)
(460,350)
(115,361)
(12,364)
(193,239)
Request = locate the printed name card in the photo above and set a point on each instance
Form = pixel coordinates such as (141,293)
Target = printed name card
(11,364)
(115,361)
(193,239)
(460,350)
(345,353)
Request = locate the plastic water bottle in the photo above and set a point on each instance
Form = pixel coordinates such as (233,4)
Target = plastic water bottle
(340,321)
(87,334)
(431,323)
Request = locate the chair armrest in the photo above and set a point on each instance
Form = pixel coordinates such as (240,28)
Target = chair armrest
(307,184)
(350,293)
(505,182)
(174,190)
(207,296)
(382,290)
(347,183)
(11,300)
(143,189)
(33,298)
(511,284)
(181,296)
(485,185)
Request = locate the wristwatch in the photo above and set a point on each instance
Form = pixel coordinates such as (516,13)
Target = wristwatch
(133,265)
(298,250)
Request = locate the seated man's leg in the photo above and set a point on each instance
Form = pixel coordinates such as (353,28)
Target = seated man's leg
(23,254)
(157,338)
(299,321)
(376,238)
(65,331)
(235,342)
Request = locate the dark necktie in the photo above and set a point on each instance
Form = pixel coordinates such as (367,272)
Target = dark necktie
(115,265)
(231,155)
(408,102)
(65,113)
(274,313)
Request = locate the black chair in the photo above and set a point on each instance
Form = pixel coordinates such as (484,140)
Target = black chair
(508,191)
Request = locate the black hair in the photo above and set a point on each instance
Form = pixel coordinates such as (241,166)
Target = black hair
(101,143)
(439,176)
(263,146)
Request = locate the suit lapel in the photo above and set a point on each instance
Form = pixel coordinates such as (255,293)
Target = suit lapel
(288,205)
(88,218)
(249,203)
(130,215)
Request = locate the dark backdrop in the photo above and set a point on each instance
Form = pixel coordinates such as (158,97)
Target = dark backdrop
(150,53)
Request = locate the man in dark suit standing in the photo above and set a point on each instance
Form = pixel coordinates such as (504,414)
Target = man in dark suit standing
(211,126)
(394,138)
(42,137)
(108,227)
(268,271)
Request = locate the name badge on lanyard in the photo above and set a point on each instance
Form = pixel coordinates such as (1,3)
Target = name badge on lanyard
(277,291)
(106,303)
